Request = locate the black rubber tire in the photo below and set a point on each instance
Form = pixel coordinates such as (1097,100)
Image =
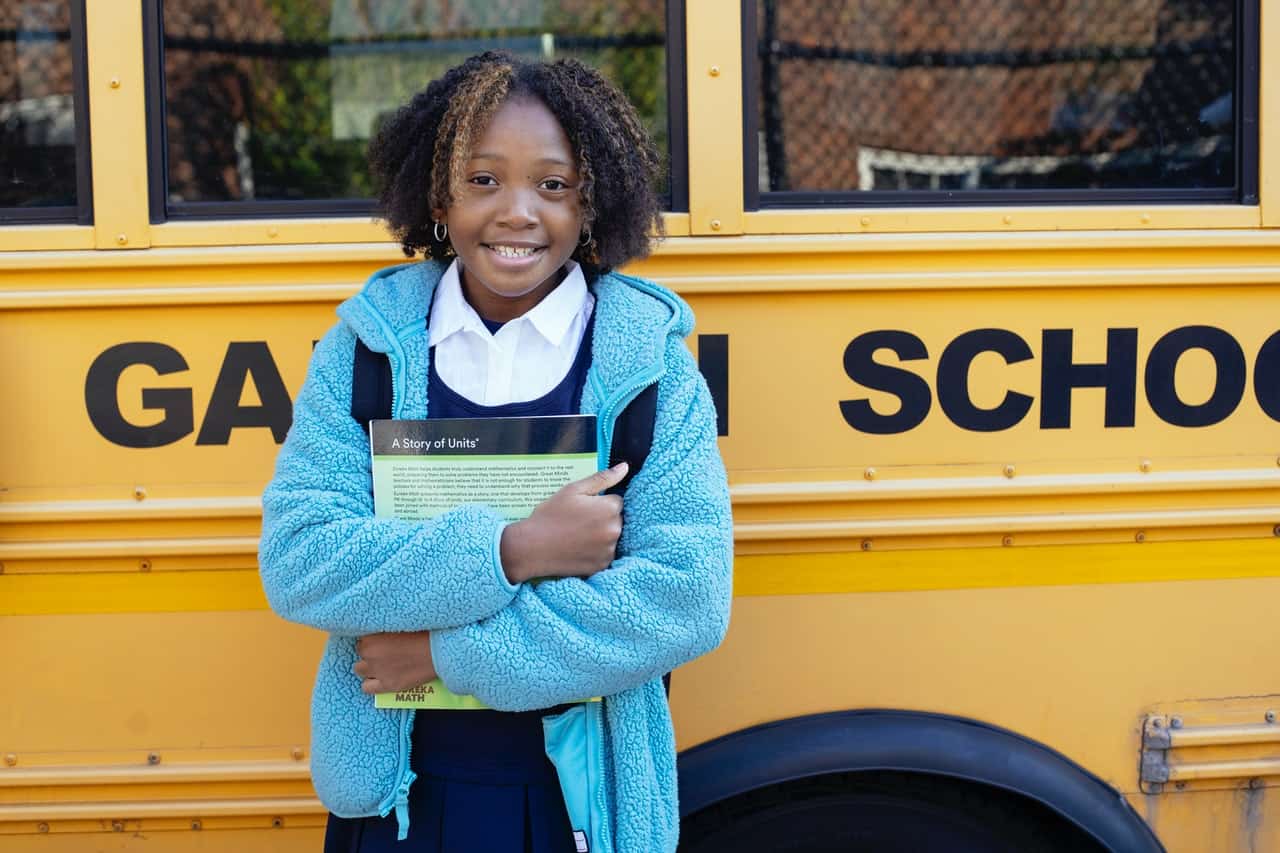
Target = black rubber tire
(882,812)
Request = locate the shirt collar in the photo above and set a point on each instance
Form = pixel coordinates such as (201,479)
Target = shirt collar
(552,317)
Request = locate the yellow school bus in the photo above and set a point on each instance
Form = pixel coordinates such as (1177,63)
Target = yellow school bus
(988,295)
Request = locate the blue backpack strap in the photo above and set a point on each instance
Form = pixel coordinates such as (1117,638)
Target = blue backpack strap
(370,386)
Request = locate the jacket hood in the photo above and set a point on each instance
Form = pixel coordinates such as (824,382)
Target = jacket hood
(634,318)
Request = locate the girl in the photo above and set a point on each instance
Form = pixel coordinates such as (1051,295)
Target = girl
(524,184)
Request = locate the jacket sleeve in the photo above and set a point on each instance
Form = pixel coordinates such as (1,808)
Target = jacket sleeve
(327,562)
(664,601)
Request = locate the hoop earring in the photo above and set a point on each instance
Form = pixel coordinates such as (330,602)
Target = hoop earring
(585,240)
(440,231)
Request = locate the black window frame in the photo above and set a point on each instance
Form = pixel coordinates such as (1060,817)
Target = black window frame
(161,210)
(80,213)
(1244,192)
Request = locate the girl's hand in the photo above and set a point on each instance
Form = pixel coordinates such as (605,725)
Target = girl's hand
(573,533)
(390,663)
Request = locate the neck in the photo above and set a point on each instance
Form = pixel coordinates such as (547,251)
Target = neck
(497,308)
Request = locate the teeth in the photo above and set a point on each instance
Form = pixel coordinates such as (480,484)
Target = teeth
(513,252)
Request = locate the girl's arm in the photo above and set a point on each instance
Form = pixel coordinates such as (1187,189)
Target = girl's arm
(660,604)
(327,562)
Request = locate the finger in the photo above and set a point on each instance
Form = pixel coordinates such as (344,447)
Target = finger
(600,480)
(371,686)
(614,502)
(361,668)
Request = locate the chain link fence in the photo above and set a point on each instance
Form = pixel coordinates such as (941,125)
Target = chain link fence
(277,99)
(996,94)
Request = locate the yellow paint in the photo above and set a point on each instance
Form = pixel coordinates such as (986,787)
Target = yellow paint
(713,54)
(118,592)
(117,125)
(993,219)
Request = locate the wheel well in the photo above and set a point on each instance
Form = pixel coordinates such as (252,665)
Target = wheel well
(1020,815)
(908,742)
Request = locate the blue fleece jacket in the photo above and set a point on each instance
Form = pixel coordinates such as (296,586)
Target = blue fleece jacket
(328,563)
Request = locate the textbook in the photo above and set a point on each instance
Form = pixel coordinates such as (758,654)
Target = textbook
(424,468)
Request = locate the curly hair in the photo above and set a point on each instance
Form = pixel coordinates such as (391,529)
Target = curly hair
(418,155)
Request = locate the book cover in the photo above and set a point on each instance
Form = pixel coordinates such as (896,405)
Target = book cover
(424,468)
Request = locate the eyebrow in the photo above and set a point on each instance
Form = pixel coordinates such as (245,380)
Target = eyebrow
(486,155)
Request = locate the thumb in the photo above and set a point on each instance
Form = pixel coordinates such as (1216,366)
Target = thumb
(601,480)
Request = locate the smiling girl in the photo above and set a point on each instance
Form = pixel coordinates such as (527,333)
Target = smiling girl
(524,185)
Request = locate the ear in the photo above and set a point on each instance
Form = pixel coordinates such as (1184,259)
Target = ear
(440,216)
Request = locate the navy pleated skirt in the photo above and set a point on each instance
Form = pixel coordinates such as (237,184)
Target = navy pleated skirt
(484,784)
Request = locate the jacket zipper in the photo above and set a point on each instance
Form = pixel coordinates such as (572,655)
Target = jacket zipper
(398,799)
(602,806)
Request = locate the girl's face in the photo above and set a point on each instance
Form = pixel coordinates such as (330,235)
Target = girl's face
(517,218)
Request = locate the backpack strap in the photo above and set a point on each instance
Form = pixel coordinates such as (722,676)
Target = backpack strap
(633,435)
(370,386)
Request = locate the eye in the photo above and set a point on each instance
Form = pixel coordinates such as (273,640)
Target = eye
(483,180)
(553,184)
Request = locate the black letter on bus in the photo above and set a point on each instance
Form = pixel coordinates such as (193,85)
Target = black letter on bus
(1266,377)
(244,359)
(1118,374)
(953,380)
(102,402)
(1228,388)
(861,367)
(713,361)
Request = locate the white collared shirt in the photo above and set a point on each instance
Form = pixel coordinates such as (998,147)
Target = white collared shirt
(525,359)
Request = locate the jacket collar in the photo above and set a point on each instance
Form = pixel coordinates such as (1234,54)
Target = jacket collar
(634,317)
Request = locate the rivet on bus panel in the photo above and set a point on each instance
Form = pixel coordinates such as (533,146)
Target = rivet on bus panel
(1009,471)
(1276,530)
(139,493)
(115,82)
(1140,536)
(714,71)
(866,220)
(298,753)
(277,822)
(153,758)
(1144,466)
(144,565)
(866,544)
(197,825)
(1006,541)
(42,827)
(122,239)
(1146,219)
(1270,716)
(10,759)
(1008,220)
(117,826)
(273,232)
(1175,722)
(715,225)
(869,474)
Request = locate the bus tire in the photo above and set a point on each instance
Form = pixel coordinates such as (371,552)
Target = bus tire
(938,752)
(882,812)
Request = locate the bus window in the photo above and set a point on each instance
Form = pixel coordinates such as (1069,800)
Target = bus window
(43,128)
(978,101)
(268,106)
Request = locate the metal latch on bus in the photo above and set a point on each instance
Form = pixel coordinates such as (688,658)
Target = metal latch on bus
(1180,752)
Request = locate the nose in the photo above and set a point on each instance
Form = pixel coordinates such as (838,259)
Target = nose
(519,209)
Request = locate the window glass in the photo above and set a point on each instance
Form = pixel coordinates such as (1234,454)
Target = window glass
(37,105)
(277,99)
(945,95)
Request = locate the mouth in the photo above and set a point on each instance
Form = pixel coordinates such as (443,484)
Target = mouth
(509,254)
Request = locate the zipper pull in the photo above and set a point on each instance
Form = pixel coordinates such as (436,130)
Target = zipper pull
(402,806)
